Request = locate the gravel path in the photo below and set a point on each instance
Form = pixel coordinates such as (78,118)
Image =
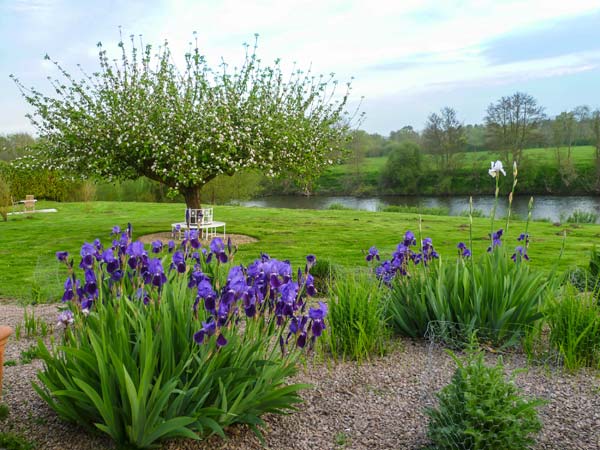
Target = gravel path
(373,406)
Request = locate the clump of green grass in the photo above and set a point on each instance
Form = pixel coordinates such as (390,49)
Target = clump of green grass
(12,441)
(579,216)
(574,322)
(337,206)
(475,213)
(355,320)
(431,211)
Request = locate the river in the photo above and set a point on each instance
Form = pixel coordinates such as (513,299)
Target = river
(545,206)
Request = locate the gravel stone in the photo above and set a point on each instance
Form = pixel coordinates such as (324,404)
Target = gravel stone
(375,405)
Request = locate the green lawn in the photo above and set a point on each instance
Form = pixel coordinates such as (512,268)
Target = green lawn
(27,244)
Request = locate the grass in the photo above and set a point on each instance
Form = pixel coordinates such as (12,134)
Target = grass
(29,271)
(334,179)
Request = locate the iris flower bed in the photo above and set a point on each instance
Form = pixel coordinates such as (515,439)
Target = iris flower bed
(176,341)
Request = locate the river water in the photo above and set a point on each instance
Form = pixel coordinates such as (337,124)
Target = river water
(545,207)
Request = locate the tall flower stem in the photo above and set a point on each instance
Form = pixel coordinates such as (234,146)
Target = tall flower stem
(510,196)
(497,177)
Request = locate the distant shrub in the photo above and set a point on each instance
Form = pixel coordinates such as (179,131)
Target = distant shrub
(480,409)
(403,168)
(5,199)
(356,320)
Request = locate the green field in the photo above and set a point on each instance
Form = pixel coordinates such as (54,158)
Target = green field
(336,179)
(28,269)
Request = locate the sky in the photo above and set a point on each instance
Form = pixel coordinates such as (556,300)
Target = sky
(406,58)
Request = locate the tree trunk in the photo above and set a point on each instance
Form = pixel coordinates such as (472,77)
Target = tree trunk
(192,197)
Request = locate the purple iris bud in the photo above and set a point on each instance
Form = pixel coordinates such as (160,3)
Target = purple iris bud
(171,246)
(178,262)
(310,287)
(69,294)
(301,341)
(311,260)
(129,230)
(229,245)
(116,229)
(373,254)
(141,294)
(98,244)
(65,319)
(157,246)
(221,341)
(62,256)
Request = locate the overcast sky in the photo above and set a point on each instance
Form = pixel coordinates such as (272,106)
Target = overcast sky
(408,58)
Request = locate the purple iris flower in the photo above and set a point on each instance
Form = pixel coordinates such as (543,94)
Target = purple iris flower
(65,319)
(310,286)
(409,239)
(208,329)
(496,239)
(112,264)
(520,252)
(91,285)
(373,254)
(154,273)
(62,256)
(171,246)
(178,262)
(157,246)
(136,253)
(318,318)
(69,292)
(116,230)
(463,250)
(88,253)
(217,248)
(206,291)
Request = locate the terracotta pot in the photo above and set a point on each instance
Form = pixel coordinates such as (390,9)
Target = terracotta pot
(5,332)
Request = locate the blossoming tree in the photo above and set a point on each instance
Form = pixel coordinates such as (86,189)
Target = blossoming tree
(141,115)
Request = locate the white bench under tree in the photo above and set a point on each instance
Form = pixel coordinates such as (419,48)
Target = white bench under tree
(201,220)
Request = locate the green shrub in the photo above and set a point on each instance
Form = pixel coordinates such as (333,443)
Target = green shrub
(356,327)
(11,441)
(480,409)
(5,199)
(3,410)
(500,298)
(574,322)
